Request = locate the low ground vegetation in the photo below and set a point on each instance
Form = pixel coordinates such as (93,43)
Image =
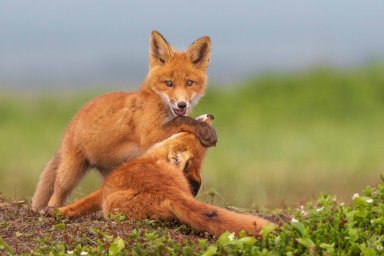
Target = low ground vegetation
(321,227)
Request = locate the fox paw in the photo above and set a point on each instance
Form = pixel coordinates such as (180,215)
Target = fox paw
(206,132)
(207,135)
(206,118)
(48,211)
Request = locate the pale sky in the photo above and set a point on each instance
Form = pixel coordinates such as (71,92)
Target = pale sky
(45,43)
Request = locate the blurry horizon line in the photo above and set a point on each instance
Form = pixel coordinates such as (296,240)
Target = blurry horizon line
(132,83)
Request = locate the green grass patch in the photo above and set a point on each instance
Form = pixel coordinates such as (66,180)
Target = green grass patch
(321,227)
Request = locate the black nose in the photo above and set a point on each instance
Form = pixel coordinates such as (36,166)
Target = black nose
(182,105)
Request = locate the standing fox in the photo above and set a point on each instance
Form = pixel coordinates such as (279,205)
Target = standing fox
(117,127)
(153,186)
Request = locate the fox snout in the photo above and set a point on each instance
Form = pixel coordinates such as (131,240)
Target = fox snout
(179,108)
(182,105)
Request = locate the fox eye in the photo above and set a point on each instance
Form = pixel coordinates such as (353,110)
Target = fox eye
(189,82)
(168,83)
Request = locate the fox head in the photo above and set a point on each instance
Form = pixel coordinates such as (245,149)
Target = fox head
(187,153)
(179,78)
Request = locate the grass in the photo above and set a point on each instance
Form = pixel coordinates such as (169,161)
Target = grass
(321,227)
(283,138)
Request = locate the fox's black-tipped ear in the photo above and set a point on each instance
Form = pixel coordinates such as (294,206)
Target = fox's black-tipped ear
(200,52)
(160,51)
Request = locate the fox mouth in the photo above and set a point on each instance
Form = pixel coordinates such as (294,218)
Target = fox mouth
(180,112)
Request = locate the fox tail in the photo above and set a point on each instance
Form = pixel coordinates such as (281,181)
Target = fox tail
(213,219)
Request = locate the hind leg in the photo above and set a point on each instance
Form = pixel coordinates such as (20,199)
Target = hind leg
(71,169)
(90,203)
(44,189)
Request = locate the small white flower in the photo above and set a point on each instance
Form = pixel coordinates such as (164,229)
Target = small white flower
(320,209)
(70,252)
(342,204)
(379,247)
(355,196)
(83,253)
(231,236)
(301,210)
(369,200)
(294,220)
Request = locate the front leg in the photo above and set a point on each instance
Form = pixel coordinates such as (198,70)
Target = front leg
(205,132)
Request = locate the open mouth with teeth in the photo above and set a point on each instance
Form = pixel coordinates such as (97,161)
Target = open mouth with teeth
(180,112)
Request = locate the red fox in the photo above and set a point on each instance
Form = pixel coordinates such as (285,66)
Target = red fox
(153,186)
(117,127)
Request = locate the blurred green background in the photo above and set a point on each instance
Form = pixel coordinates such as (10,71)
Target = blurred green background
(283,137)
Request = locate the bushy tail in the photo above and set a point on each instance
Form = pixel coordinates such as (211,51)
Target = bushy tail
(44,189)
(213,219)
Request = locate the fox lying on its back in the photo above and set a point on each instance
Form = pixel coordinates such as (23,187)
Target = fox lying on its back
(155,186)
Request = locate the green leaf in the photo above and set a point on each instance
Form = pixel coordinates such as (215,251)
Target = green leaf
(268,229)
(299,227)
(366,251)
(326,246)
(330,248)
(212,250)
(248,240)
(242,234)
(353,234)
(224,239)
(361,201)
(116,246)
(306,242)
(378,221)
(59,227)
(203,243)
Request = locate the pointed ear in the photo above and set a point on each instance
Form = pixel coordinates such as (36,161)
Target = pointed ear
(160,51)
(199,52)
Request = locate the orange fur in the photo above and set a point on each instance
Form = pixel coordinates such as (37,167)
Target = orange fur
(153,187)
(117,127)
